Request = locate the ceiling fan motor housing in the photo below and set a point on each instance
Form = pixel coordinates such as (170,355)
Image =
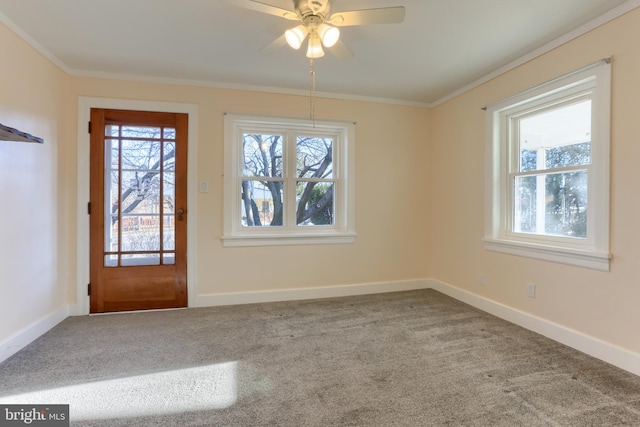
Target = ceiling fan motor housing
(312,7)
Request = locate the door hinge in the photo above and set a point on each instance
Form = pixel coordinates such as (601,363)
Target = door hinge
(89,127)
(89,289)
(89,208)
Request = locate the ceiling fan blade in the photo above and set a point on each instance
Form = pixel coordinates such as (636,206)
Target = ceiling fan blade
(278,43)
(267,8)
(340,50)
(384,15)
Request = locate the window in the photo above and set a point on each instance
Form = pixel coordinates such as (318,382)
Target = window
(548,157)
(288,181)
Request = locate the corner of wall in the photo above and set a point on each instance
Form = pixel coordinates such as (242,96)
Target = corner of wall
(26,336)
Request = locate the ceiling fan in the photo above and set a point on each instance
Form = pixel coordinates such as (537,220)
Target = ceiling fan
(320,25)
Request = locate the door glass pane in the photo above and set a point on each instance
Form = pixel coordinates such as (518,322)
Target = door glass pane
(139,259)
(111,233)
(136,194)
(169,211)
(112,130)
(169,230)
(140,192)
(111,260)
(141,132)
(168,259)
(169,190)
(169,156)
(143,234)
(169,133)
(111,195)
(315,203)
(140,155)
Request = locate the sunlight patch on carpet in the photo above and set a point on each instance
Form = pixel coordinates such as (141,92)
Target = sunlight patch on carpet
(183,390)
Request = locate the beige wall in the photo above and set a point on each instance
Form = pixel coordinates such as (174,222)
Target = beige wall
(33,239)
(602,305)
(391,200)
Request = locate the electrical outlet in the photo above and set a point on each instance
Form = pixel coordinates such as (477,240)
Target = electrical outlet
(531,290)
(483,280)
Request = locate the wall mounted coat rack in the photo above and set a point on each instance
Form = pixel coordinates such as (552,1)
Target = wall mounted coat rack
(11,134)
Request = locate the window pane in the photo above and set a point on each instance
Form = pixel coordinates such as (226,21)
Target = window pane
(262,155)
(262,203)
(568,155)
(314,157)
(525,202)
(528,160)
(566,209)
(556,138)
(315,203)
(559,210)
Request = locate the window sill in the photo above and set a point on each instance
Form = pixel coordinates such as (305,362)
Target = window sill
(291,239)
(580,258)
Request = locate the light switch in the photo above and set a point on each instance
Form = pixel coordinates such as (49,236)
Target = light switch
(204,187)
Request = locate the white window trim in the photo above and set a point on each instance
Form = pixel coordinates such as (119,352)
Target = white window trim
(592,252)
(343,232)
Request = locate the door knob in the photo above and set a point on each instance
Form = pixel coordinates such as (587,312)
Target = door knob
(180,213)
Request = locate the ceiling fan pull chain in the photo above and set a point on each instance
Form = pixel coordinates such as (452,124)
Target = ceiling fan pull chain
(312,93)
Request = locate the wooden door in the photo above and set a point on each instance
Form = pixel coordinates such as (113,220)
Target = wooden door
(138,210)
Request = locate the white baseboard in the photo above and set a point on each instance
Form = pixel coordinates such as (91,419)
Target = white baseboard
(607,352)
(236,298)
(26,336)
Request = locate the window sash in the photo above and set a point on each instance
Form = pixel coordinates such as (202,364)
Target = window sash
(342,135)
(289,179)
(503,162)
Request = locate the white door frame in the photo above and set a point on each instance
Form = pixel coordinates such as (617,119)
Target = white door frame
(85,104)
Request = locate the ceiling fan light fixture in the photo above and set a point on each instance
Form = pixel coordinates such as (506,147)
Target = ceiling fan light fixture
(315,47)
(328,34)
(295,36)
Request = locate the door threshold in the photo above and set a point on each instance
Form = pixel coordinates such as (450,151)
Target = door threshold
(138,311)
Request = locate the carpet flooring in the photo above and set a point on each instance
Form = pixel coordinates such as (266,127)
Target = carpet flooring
(416,358)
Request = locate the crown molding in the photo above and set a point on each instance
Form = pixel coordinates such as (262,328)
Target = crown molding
(579,31)
(4,19)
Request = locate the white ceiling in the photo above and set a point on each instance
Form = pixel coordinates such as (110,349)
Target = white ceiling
(442,46)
